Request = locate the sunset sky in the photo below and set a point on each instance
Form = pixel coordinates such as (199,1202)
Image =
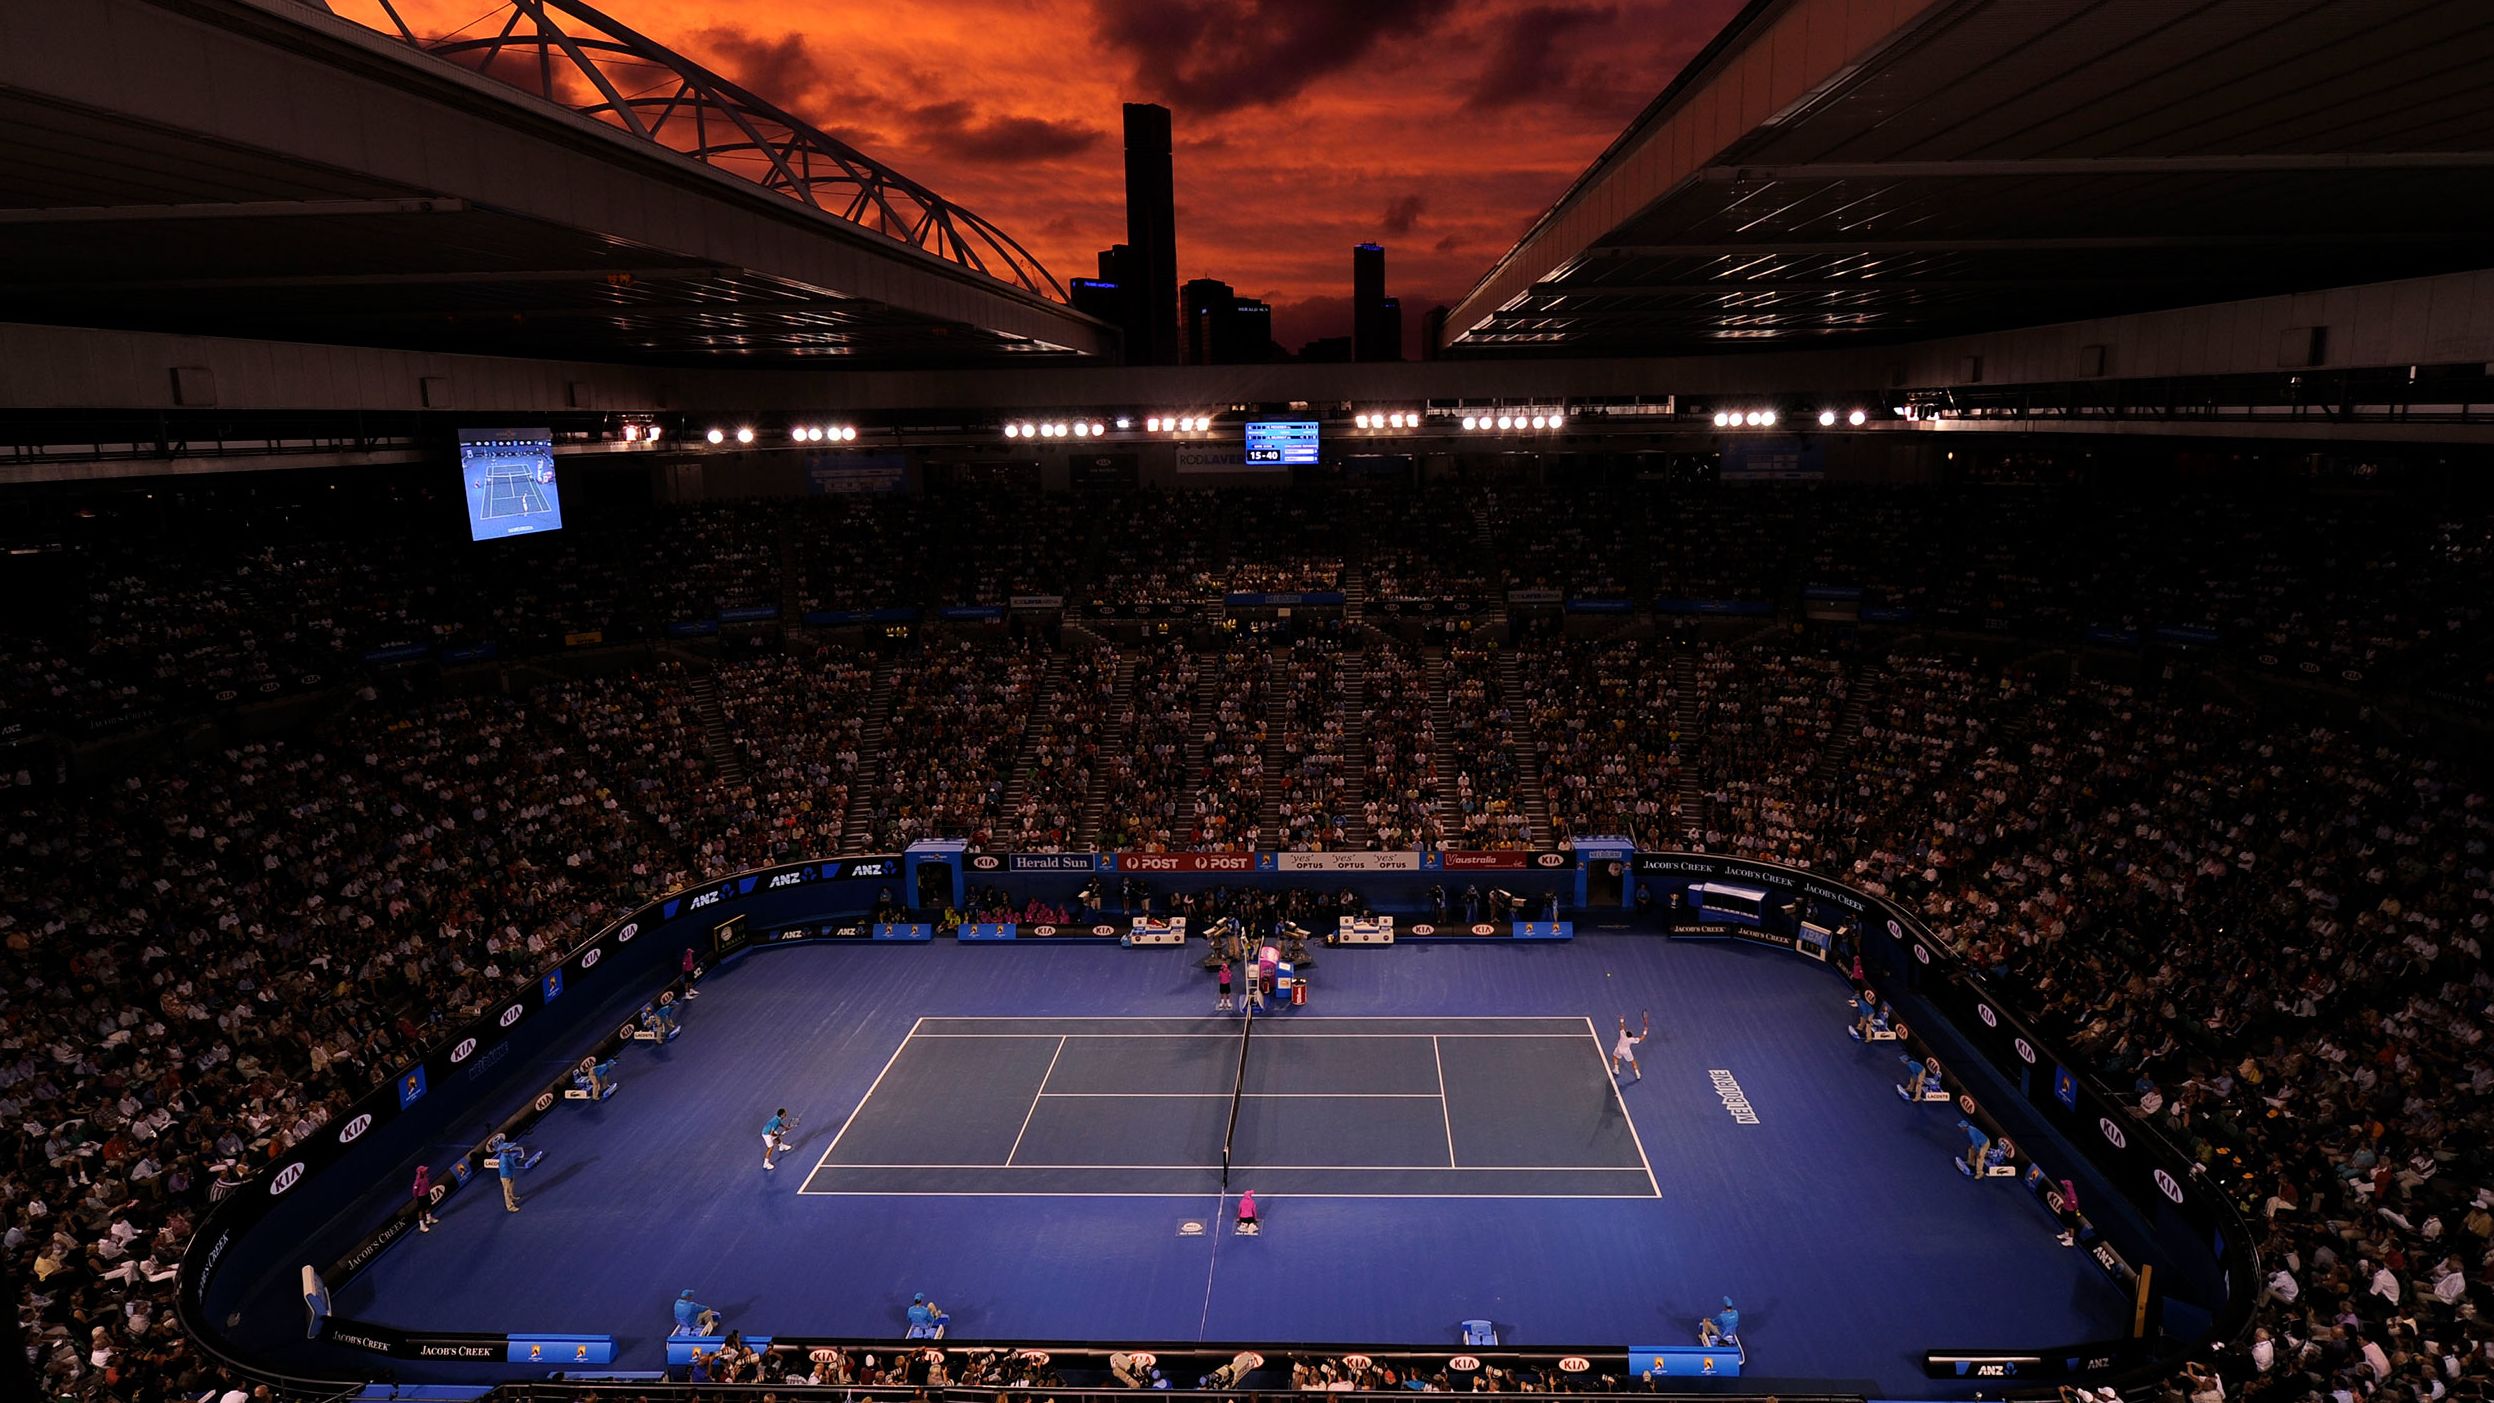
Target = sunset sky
(1439,128)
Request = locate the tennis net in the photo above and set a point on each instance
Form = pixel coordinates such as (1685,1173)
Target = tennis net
(1229,1137)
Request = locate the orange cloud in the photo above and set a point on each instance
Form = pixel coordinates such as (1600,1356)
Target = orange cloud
(1440,128)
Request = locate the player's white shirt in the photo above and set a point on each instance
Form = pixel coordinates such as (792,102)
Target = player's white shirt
(1627,1045)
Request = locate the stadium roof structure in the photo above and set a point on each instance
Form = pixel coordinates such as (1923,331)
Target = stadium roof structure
(1834,172)
(555,187)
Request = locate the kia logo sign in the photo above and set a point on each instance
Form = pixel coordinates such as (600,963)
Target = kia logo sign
(439,1192)
(1922,955)
(286,1179)
(631,929)
(2026,1052)
(1549,859)
(1896,930)
(1485,928)
(1043,930)
(590,960)
(625,1031)
(1984,1012)
(512,1014)
(1965,1104)
(545,1101)
(985,862)
(1463,1363)
(2112,1132)
(1575,1364)
(1104,930)
(354,1128)
(1424,930)
(2166,1182)
(1356,1361)
(461,1053)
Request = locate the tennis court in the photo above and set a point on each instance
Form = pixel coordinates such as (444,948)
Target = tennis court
(1305,1107)
(514,493)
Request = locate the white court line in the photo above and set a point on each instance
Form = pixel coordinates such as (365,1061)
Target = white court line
(1600,1056)
(1057,1193)
(861,1105)
(1035,1099)
(1233,1037)
(1290,1168)
(1251,1095)
(1444,1111)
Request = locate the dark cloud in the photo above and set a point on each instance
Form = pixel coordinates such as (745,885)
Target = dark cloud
(782,72)
(1212,56)
(1402,212)
(956,129)
(1527,60)
(1448,244)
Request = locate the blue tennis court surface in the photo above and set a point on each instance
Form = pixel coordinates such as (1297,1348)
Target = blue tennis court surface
(1461,1108)
(1019,1130)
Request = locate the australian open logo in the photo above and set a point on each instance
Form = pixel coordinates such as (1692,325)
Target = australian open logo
(286,1179)
(1921,955)
(2026,1051)
(2166,1182)
(2112,1133)
(590,960)
(544,1102)
(631,929)
(348,1132)
(1984,1012)
(512,1014)
(465,1050)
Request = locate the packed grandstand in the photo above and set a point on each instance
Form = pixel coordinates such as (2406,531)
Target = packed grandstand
(2251,896)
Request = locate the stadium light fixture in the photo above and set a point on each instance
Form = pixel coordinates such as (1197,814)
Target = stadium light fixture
(1856,418)
(716,436)
(632,433)
(1767,417)
(1827,417)
(744,434)
(1719,417)
(1098,428)
(1471,421)
(1359,421)
(1124,423)
(1152,424)
(650,434)
(1506,421)
(1013,430)
(1082,430)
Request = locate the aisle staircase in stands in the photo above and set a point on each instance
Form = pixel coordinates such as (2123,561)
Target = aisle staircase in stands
(1493,579)
(1692,746)
(1351,671)
(870,761)
(1869,680)
(1117,737)
(1354,583)
(1437,677)
(1048,704)
(1532,797)
(724,758)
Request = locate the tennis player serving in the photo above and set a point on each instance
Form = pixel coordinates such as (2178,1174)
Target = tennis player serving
(1625,1050)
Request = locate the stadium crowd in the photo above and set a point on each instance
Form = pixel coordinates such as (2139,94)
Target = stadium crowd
(2265,924)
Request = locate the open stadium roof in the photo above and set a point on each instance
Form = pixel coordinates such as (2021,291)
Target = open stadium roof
(1842,171)
(399,198)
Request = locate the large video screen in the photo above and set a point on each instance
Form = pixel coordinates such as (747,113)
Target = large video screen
(509,477)
(1285,441)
